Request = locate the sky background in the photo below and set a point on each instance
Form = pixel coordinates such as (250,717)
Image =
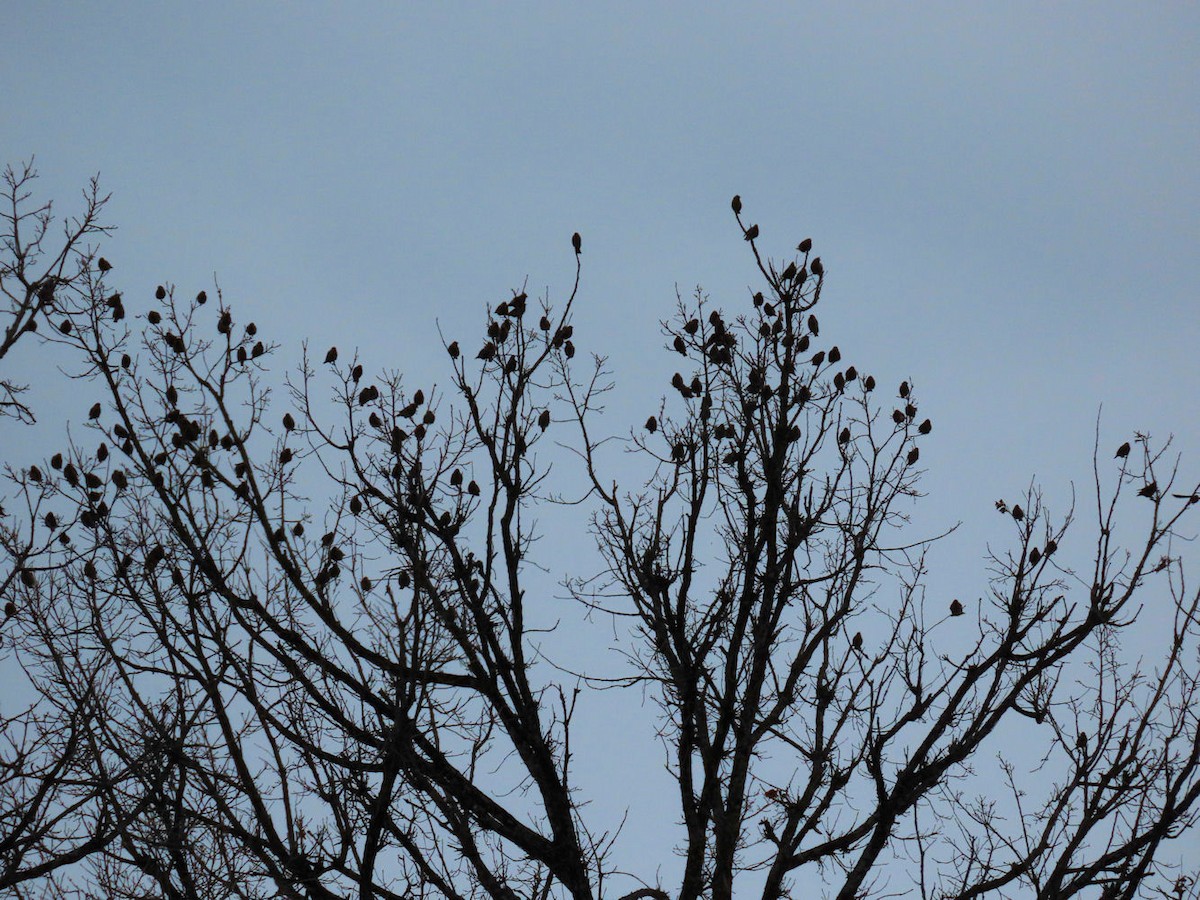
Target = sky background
(1005,197)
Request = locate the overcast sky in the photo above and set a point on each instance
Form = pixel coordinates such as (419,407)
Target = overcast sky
(1006,197)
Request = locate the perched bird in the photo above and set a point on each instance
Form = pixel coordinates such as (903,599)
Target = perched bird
(488,352)
(288,422)
(904,390)
(103,264)
(576,242)
(456,478)
(835,354)
(453,350)
(201,298)
(844,437)
(1190,498)
(1035,556)
(569,349)
(736,203)
(913,455)
(94,412)
(751,233)
(1149,490)
(1081,741)
(331,356)
(160,293)
(1122,451)
(473,488)
(817,268)
(652,424)
(805,245)
(679,345)
(857,641)
(790,272)
(544,419)
(925,427)
(869,383)
(814,326)
(956,608)
(692,326)
(897,416)
(1017,513)
(356,373)
(1051,546)
(10,609)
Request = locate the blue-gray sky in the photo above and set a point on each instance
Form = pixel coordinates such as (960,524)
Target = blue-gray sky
(1006,196)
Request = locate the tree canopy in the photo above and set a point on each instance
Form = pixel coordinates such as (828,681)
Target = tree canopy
(281,634)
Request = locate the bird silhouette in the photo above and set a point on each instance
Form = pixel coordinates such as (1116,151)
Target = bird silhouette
(331,356)
(1051,546)
(903,390)
(869,383)
(751,233)
(925,427)
(913,455)
(576,242)
(1149,490)
(817,267)
(569,349)
(736,204)
(288,421)
(453,350)
(201,298)
(679,345)
(356,373)
(103,264)
(1035,556)
(805,245)
(814,326)
(652,424)
(857,641)
(544,419)
(897,416)
(94,412)
(844,437)
(1190,498)
(1017,513)
(956,608)
(835,354)
(473,488)
(692,326)
(1081,741)
(487,353)
(160,293)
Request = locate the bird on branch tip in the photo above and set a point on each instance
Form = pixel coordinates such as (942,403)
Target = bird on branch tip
(751,233)
(331,356)
(956,608)
(1150,490)
(576,242)
(1122,451)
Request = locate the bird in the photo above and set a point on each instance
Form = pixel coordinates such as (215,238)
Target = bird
(679,345)
(202,298)
(869,383)
(736,204)
(913,455)
(1035,556)
(1051,546)
(817,268)
(1017,513)
(904,390)
(857,641)
(453,350)
(10,609)
(576,242)
(835,354)
(356,373)
(1190,498)
(473,488)
(1081,741)
(805,245)
(956,608)
(652,424)
(1122,451)
(544,419)
(160,293)
(331,356)
(488,352)
(844,437)
(790,272)
(1149,490)
(94,412)
(103,264)
(751,233)
(288,422)
(925,427)
(692,326)
(897,416)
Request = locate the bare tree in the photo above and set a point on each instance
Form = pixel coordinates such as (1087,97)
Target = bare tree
(309,633)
